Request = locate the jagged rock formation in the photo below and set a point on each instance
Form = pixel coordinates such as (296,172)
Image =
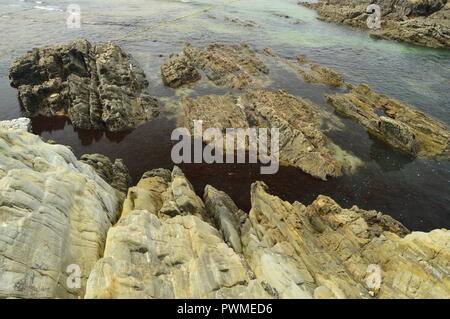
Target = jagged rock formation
(163,248)
(232,66)
(55,211)
(278,250)
(394,122)
(22,124)
(179,70)
(97,87)
(302,144)
(115,174)
(422,22)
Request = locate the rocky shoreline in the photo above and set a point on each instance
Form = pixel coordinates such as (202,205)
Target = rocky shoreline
(164,241)
(420,22)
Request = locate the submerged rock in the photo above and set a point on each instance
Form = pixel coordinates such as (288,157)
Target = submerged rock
(97,87)
(421,22)
(55,212)
(302,144)
(394,122)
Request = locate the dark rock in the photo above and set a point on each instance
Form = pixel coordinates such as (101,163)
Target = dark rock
(97,87)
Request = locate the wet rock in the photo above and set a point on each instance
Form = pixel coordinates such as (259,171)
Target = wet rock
(302,144)
(179,70)
(115,174)
(421,22)
(315,73)
(394,122)
(240,22)
(55,211)
(308,71)
(21,124)
(233,66)
(97,87)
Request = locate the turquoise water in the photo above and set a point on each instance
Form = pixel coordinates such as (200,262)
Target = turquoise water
(412,190)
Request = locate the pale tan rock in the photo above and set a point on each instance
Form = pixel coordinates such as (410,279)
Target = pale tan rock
(152,254)
(55,211)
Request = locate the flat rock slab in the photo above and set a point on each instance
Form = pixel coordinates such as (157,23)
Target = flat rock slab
(97,87)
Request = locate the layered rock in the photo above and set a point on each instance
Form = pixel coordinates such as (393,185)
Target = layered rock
(302,144)
(55,212)
(422,22)
(178,70)
(314,73)
(115,174)
(324,250)
(97,87)
(21,124)
(394,122)
(278,250)
(162,248)
(232,66)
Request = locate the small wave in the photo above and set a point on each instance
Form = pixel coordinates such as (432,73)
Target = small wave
(47,8)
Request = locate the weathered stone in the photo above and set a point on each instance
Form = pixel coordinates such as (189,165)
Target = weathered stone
(115,174)
(178,70)
(315,73)
(394,122)
(302,144)
(170,256)
(421,22)
(97,87)
(233,66)
(55,212)
(324,250)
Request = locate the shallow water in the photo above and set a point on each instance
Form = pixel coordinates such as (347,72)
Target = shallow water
(412,190)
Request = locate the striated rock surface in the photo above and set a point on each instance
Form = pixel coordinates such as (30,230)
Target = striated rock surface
(421,22)
(277,250)
(179,70)
(21,124)
(97,87)
(162,248)
(232,66)
(55,211)
(314,73)
(394,122)
(302,144)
